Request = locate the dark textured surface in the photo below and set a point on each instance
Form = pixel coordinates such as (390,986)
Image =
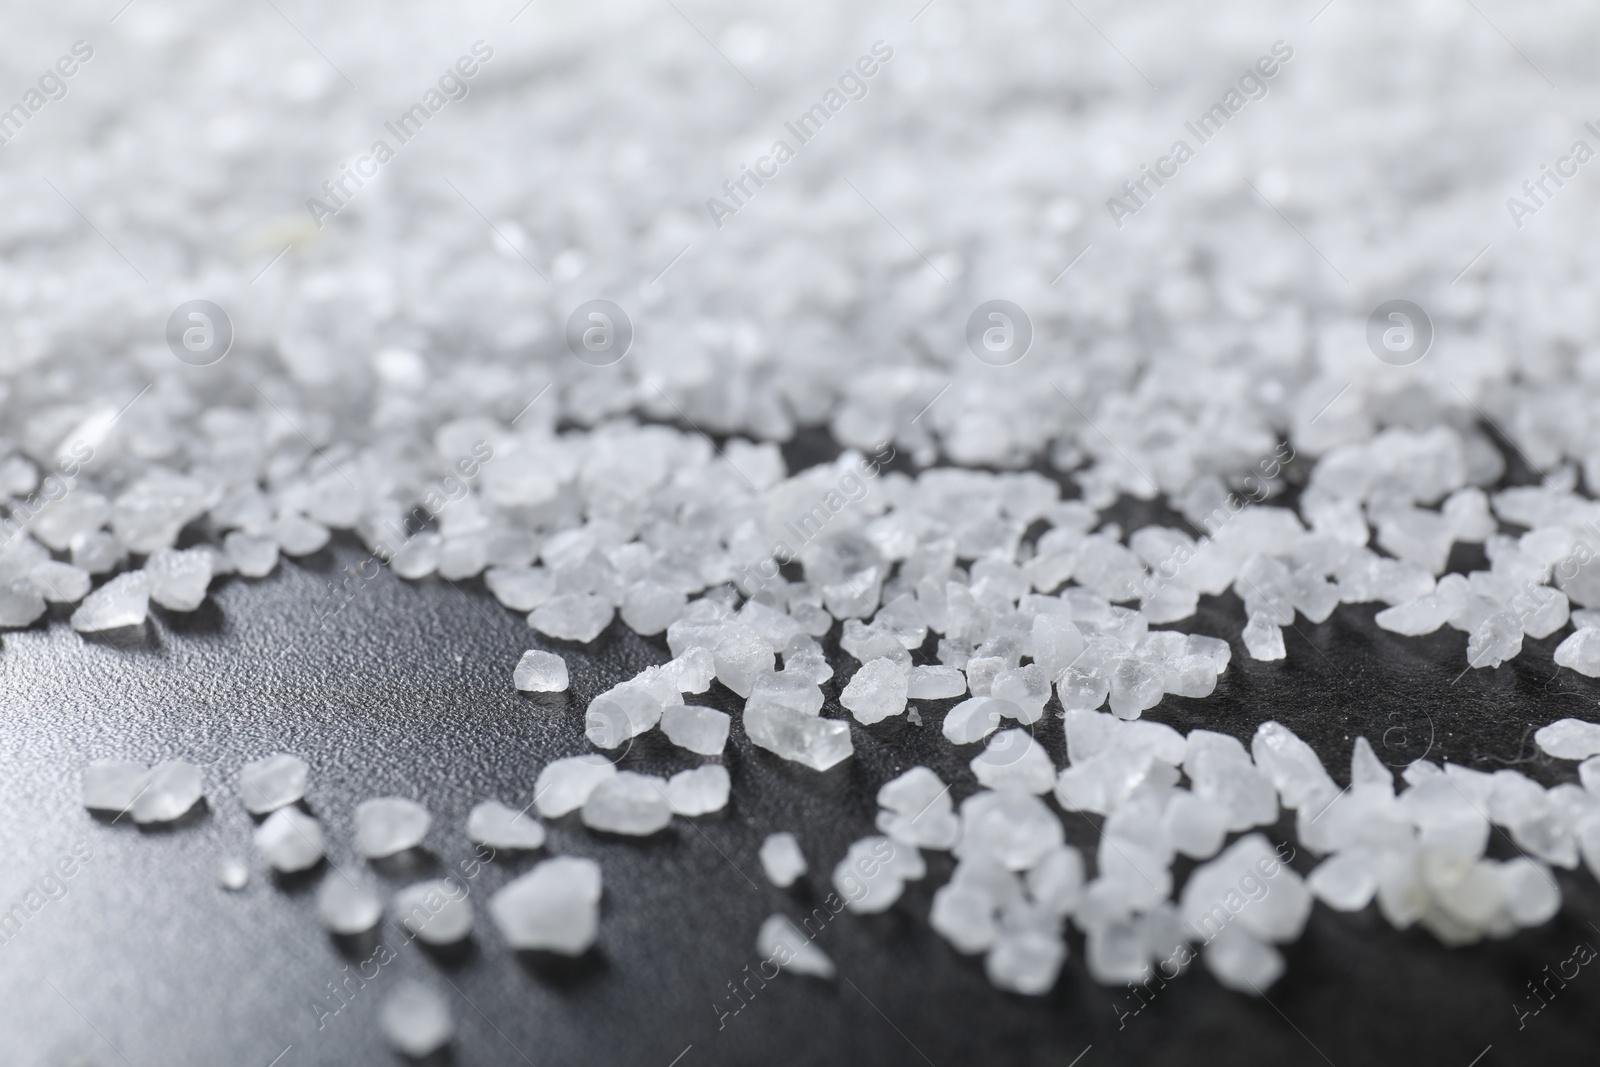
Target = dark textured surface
(145,961)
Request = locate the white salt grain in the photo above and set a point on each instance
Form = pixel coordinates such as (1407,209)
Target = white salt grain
(699,791)
(290,839)
(628,803)
(265,785)
(389,825)
(781,859)
(436,911)
(778,940)
(877,691)
(172,789)
(540,672)
(572,617)
(113,785)
(346,908)
(697,729)
(555,907)
(123,601)
(492,823)
(416,1020)
(565,784)
(814,742)
(1571,739)
(233,875)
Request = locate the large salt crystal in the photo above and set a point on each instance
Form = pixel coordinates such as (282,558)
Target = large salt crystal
(265,785)
(741,656)
(1415,617)
(628,803)
(1580,651)
(1013,828)
(1056,882)
(416,1020)
(1249,886)
(59,583)
(873,873)
(1101,782)
(779,941)
(1346,881)
(565,784)
(1571,739)
(781,859)
(113,785)
(492,823)
(692,671)
(520,588)
(540,672)
(699,730)
(21,604)
(1242,962)
(1014,760)
(572,617)
(965,916)
(171,790)
(251,556)
(1025,961)
(918,810)
(976,718)
(1531,894)
(1028,687)
(1263,639)
(290,839)
(1136,686)
(346,908)
(622,713)
(1195,825)
(436,911)
(791,689)
(935,682)
(1497,639)
(877,691)
(1294,768)
(815,742)
(650,607)
(386,826)
(699,791)
(554,908)
(123,601)
(178,580)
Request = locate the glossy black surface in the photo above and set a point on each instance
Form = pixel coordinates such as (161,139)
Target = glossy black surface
(143,960)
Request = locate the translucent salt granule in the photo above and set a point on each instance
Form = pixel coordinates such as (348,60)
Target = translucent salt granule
(415,1019)
(699,791)
(628,803)
(492,823)
(553,908)
(788,688)
(781,859)
(918,811)
(1012,828)
(540,672)
(1497,639)
(113,785)
(572,617)
(1580,651)
(520,588)
(877,691)
(976,718)
(697,729)
(290,839)
(233,875)
(806,739)
(1242,962)
(1571,739)
(178,579)
(650,607)
(1014,760)
(1263,639)
(436,911)
(781,942)
(172,789)
(123,601)
(345,907)
(1025,961)
(1290,763)
(59,583)
(1346,881)
(742,656)
(265,785)
(251,556)
(386,826)
(873,873)
(565,784)
(965,916)
(935,682)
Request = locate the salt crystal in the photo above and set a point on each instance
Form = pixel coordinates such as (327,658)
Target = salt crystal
(416,1020)
(59,583)
(171,790)
(251,556)
(700,730)
(1294,768)
(1580,651)
(520,588)
(265,785)
(1025,961)
(123,601)
(1241,962)
(492,823)
(346,908)
(877,691)
(572,617)
(540,672)
(1195,825)
(964,916)
(935,682)
(699,791)
(436,911)
(1497,639)
(290,839)
(815,742)
(1571,739)
(628,803)
(873,873)
(555,907)
(178,580)
(565,784)
(113,785)
(1346,881)
(779,941)
(1014,829)
(782,859)
(1056,881)
(233,875)
(622,713)
(976,718)
(741,656)
(1263,639)
(789,688)
(1014,760)
(1028,687)
(386,826)
(1531,894)
(1136,686)
(650,607)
